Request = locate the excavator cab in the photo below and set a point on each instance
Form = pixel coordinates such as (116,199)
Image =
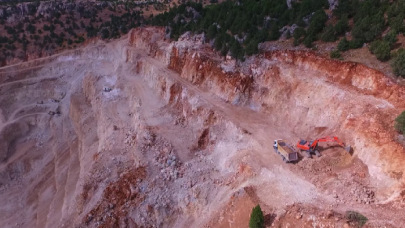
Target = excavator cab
(303,142)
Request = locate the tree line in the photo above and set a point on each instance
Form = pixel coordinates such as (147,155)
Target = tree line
(237,27)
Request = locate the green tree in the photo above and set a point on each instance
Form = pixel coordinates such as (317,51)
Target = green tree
(237,50)
(308,40)
(398,63)
(345,7)
(381,49)
(335,54)
(105,33)
(30,28)
(369,27)
(298,33)
(219,42)
(397,23)
(356,218)
(252,48)
(355,43)
(391,37)
(256,218)
(400,123)
(317,23)
(10,30)
(342,26)
(212,31)
(343,45)
(275,33)
(328,34)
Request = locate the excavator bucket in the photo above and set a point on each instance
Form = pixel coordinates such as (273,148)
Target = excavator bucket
(348,149)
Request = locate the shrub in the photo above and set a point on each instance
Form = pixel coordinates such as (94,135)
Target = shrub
(398,63)
(355,43)
(343,45)
(397,24)
(342,26)
(381,49)
(308,41)
(356,218)
(329,34)
(400,123)
(30,28)
(335,54)
(369,27)
(252,48)
(105,33)
(236,50)
(317,23)
(298,33)
(256,218)
(374,46)
(275,33)
(391,37)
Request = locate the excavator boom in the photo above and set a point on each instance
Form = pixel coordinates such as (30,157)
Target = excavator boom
(311,146)
(328,139)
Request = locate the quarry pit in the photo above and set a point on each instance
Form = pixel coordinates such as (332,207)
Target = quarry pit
(158,133)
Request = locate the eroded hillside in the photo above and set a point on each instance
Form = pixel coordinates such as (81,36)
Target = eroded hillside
(144,132)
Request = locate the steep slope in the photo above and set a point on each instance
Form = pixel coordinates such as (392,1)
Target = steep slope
(158,133)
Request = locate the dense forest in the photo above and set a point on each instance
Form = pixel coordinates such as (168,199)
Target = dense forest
(231,27)
(237,27)
(32,28)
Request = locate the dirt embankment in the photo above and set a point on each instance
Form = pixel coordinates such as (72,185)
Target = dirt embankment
(147,132)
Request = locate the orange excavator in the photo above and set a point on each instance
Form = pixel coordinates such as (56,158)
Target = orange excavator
(311,146)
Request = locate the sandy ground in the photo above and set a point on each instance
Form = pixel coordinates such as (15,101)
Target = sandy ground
(159,134)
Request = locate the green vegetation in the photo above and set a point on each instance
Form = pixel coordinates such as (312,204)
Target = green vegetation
(355,43)
(341,26)
(398,62)
(238,27)
(381,49)
(356,218)
(335,54)
(58,27)
(233,28)
(391,37)
(371,18)
(256,218)
(343,45)
(400,123)
(329,35)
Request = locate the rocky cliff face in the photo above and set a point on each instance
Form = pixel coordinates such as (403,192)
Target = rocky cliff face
(158,133)
(307,92)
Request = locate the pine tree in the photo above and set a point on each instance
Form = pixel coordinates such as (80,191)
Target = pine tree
(400,123)
(343,45)
(256,218)
(329,34)
(398,63)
